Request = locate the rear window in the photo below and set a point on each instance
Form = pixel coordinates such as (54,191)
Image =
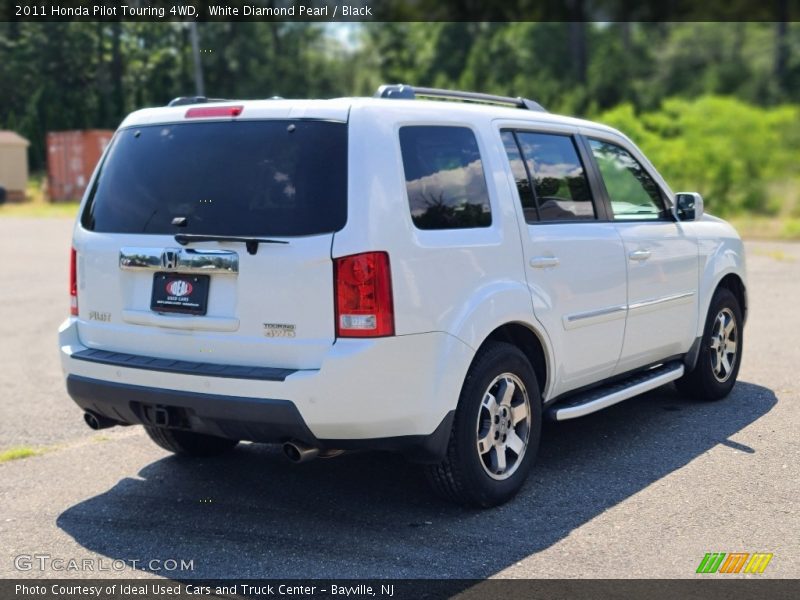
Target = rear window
(254,178)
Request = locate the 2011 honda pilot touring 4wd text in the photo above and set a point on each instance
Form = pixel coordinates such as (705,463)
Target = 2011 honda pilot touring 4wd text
(432,277)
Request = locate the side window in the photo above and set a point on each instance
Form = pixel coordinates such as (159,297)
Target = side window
(632,192)
(444,177)
(560,189)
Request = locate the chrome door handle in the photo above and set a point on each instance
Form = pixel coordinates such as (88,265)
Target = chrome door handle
(639,255)
(543,262)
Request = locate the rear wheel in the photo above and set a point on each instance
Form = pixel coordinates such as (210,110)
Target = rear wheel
(189,443)
(496,430)
(717,367)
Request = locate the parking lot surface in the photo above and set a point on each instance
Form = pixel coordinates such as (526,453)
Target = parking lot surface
(643,489)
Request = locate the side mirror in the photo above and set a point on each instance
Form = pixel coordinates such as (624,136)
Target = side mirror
(688,206)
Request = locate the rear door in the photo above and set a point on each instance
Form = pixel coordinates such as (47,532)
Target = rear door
(210,241)
(574,257)
(662,258)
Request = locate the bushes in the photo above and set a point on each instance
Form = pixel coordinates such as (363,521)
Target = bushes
(738,156)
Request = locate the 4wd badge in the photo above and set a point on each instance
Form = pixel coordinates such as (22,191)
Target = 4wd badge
(285,330)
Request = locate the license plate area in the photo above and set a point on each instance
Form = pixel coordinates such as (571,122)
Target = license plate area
(177,293)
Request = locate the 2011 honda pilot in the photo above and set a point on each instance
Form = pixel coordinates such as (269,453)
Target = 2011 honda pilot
(431,277)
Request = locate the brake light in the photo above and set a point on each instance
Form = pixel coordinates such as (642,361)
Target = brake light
(73,283)
(364,306)
(214,111)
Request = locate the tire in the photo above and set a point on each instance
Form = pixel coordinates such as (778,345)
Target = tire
(470,474)
(189,443)
(715,372)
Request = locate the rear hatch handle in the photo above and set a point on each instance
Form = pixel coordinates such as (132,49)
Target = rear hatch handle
(222,262)
(251,243)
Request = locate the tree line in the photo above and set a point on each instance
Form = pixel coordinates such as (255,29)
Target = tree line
(57,76)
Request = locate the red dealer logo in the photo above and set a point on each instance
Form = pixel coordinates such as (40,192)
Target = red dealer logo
(179,287)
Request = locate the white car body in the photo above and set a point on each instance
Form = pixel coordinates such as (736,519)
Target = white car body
(582,289)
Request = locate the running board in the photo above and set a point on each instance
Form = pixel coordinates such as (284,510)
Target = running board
(585,403)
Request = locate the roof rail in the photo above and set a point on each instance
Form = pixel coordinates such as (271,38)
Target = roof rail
(407,92)
(184,100)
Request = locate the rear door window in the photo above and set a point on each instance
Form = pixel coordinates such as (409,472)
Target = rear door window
(444,175)
(558,180)
(251,178)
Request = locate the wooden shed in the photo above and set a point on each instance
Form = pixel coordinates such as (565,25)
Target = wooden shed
(13,165)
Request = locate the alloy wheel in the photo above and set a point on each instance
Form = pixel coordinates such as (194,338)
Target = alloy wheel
(504,425)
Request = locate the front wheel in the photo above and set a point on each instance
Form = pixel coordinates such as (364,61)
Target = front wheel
(717,367)
(496,430)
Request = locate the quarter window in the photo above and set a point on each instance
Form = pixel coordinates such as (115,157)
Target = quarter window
(444,174)
(560,189)
(632,192)
(520,176)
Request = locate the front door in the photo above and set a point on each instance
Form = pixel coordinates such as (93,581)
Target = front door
(661,261)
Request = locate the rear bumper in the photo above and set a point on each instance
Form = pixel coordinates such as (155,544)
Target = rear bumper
(254,419)
(396,393)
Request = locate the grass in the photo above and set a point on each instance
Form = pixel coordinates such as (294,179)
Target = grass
(752,227)
(778,255)
(37,204)
(784,222)
(17,453)
(29,209)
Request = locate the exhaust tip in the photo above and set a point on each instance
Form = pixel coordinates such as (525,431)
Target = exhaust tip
(291,452)
(97,422)
(91,420)
(297,452)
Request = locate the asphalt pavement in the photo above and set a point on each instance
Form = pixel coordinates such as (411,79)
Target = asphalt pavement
(643,489)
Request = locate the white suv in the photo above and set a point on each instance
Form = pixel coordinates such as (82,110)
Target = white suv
(428,277)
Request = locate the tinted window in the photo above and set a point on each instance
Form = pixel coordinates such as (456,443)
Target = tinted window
(444,178)
(520,176)
(633,193)
(267,178)
(559,181)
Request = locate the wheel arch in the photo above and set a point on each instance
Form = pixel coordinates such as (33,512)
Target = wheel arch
(503,311)
(722,264)
(731,281)
(734,283)
(529,341)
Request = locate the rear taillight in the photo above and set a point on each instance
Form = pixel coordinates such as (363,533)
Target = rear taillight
(364,305)
(73,283)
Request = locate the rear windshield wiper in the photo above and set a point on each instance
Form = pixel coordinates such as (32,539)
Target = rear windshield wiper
(251,243)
